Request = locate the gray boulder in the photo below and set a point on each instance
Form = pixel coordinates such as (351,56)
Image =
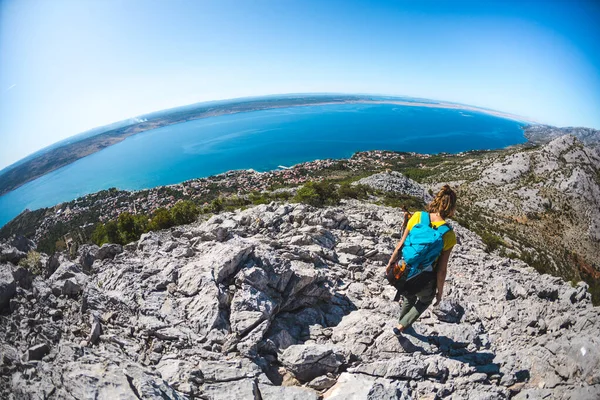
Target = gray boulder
(8,284)
(250,307)
(108,250)
(395,182)
(11,254)
(52,263)
(37,352)
(87,254)
(22,243)
(68,279)
(297,294)
(322,382)
(359,387)
(307,362)
(93,377)
(149,242)
(449,310)
(406,367)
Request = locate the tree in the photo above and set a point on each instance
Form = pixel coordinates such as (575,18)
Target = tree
(112,232)
(128,230)
(308,194)
(216,206)
(317,194)
(347,190)
(99,236)
(184,212)
(258,198)
(141,223)
(161,219)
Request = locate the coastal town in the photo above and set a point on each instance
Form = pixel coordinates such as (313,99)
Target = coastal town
(106,205)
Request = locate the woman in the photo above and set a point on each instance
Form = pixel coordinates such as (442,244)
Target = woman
(420,293)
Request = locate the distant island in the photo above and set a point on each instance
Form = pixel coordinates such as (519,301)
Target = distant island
(66,152)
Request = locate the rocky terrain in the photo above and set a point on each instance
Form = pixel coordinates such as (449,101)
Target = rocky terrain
(395,182)
(542,134)
(535,202)
(286,301)
(541,204)
(78,217)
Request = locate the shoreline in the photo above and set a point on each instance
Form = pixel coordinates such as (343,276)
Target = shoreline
(68,154)
(107,204)
(112,201)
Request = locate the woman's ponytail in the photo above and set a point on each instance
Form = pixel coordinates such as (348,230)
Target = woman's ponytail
(444,202)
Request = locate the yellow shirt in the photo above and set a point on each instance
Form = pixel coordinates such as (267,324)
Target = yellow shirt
(449,237)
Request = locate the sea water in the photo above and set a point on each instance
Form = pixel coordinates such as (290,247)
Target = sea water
(262,140)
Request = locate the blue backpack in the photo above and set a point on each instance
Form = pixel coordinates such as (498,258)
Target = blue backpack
(423,245)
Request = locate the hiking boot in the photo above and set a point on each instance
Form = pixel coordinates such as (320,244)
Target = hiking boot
(397,332)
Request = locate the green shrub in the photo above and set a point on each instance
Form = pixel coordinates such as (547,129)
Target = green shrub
(60,245)
(131,227)
(99,236)
(265,198)
(417,174)
(216,206)
(33,262)
(307,194)
(491,241)
(161,219)
(401,200)
(106,233)
(141,222)
(234,202)
(184,212)
(282,196)
(126,227)
(539,262)
(259,198)
(462,221)
(347,190)
(112,232)
(317,194)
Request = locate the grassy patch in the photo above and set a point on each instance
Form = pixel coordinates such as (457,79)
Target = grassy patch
(491,241)
(33,262)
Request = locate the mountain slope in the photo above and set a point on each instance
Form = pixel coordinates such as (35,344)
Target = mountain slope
(538,204)
(289,301)
(542,134)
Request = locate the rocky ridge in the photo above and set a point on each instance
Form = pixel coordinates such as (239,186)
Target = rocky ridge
(542,201)
(289,301)
(542,134)
(395,182)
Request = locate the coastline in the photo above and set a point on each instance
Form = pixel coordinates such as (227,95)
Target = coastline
(65,155)
(107,204)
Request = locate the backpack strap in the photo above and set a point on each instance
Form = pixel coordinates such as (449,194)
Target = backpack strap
(425,219)
(443,229)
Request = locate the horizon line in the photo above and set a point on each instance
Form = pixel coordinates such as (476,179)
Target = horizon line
(500,114)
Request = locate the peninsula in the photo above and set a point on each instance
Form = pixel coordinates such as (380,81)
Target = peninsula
(265,295)
(61,154)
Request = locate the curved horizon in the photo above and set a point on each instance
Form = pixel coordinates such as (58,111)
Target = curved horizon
(171,153)
(389,97)
(62,72)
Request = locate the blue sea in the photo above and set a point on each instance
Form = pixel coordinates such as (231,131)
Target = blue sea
(262,140)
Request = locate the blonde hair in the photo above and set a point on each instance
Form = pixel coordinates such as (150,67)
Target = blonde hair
(444,202)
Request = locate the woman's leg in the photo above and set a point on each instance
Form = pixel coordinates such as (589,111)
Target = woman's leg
(408,302)
(424,298)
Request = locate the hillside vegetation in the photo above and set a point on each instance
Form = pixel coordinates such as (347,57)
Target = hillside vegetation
(536,203)
(540,205)
(288,301)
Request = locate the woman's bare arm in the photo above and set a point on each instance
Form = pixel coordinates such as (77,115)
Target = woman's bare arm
(442,270)
(397,251)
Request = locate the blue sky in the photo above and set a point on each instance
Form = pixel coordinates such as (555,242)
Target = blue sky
(70,65)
